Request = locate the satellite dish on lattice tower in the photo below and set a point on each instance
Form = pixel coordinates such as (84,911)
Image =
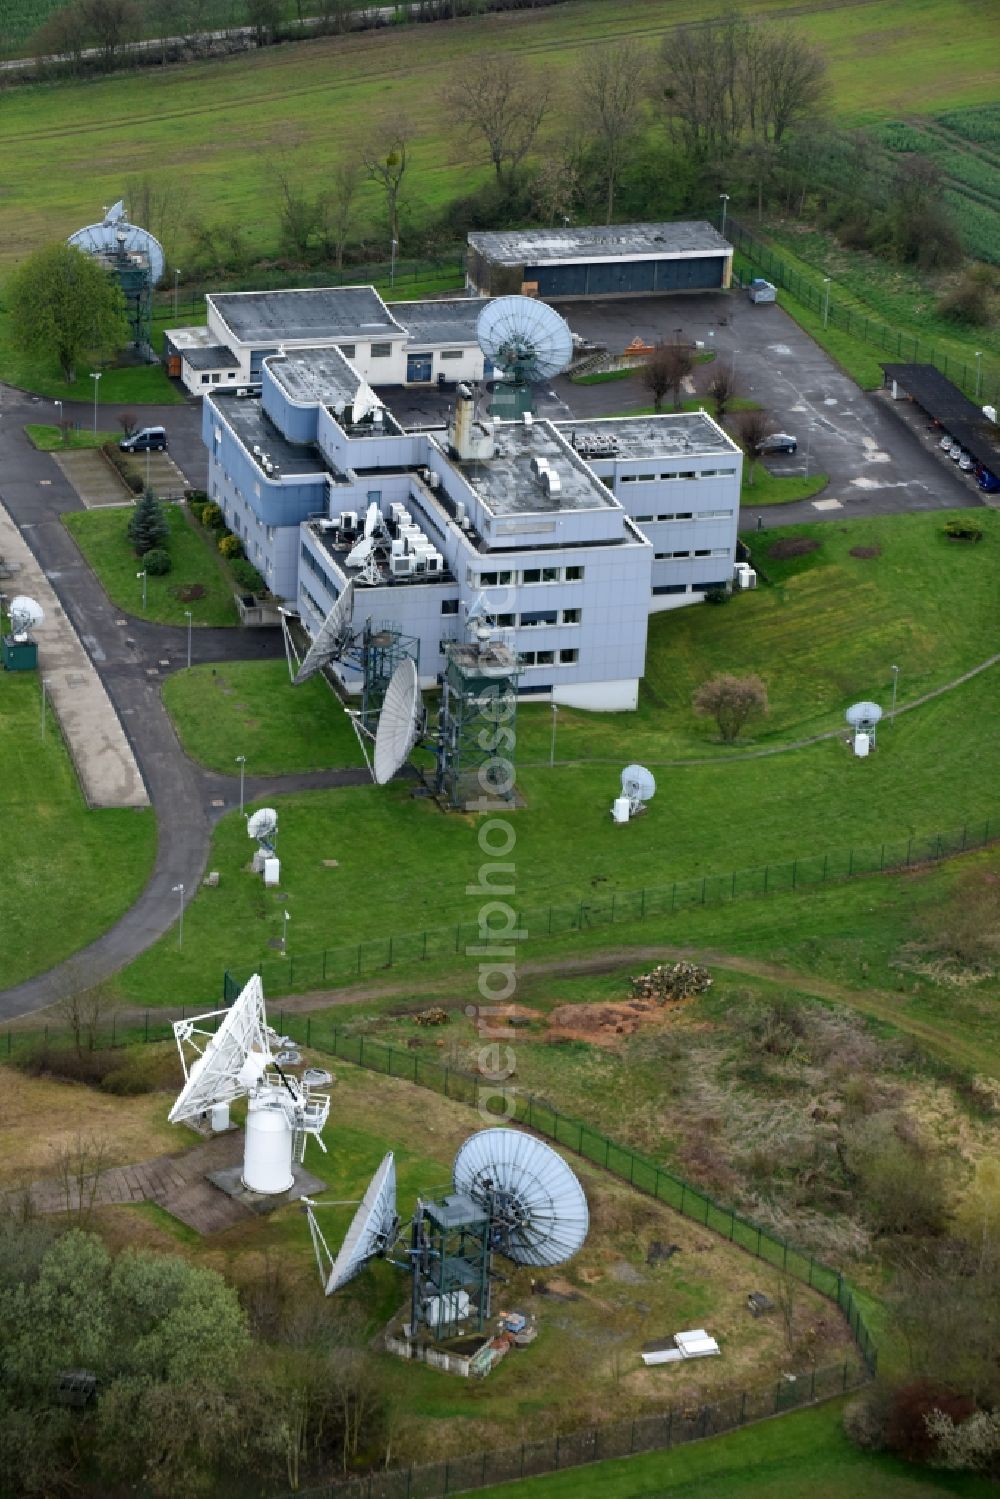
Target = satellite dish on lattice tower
(863,715)
(332,639)
(525,339)
(115,233)
(538,1210)
(639,785)
(25,614)
(232,1061)
(373,1230)
(400,723)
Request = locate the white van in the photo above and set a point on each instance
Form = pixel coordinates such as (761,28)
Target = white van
(146,440)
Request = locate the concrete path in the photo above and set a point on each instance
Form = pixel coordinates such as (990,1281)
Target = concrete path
(105,764)
(94,480)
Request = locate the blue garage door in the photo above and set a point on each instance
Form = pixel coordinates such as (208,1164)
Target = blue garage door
(627,278)
(418,368)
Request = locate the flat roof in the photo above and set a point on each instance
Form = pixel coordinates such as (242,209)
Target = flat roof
(320,375)
(211,357)
(348,312)
(599,242)
(254,428)
(670,435)
(451,320)
(945,403)
(507,484)
(338,552)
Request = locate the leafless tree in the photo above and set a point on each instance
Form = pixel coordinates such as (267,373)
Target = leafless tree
(264,16)
(339,207)
(158,203)
(77,1169)
(554,187)
(128,421)
(722,389)
(610,91)
(84,1008)
(754,427)
(386,159)
(732,701)
(63,35)
(504,104)
(793,82)
(112,24)
(665,370)
(299,213)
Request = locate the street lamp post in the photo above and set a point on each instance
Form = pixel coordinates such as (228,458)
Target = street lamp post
(979,373)
(177,277)
(241,761)
(895,679)
(62,434)
(826,299)
(95,375)
(284,934)
(45,685)
(392,262)
(188,613)
(725,204)
(552,745)
(142,575)
(179,891)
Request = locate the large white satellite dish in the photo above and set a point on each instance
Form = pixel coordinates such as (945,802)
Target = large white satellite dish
(863,715)
(333,637)
(524,338)
(538,1210)
(25,615)
(639,785)
(400,722)
(115,233)
(373,1229)
(229,1059)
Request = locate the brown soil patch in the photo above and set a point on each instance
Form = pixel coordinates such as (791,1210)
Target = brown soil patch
(189,592)
(866,551)
(793,546)
(607,1024)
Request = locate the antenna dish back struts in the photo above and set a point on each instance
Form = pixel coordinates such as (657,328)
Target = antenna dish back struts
(373,1230)
(524,338)
(638,788)
(25,614)
(332,639)
(538,1210)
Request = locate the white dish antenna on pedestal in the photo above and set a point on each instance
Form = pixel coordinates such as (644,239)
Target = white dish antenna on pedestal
(365,403)
(524,338)
(233,1061)
(115,233)
(333,638)
(373,520)
(639,786)
(263,825)
(400,723)
(25,615)
(863,715)
(373,1230)
(538,1210)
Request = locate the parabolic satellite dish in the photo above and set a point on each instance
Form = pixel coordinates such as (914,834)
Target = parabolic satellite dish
(538,1210)
(638,784)
(233,1058)
(332,639)
(524,338)
(25,615)
(115,233)
(862,715)
(400,722)
(373,517)
(365,402)
(360,552)
(262,824)
(372,1230)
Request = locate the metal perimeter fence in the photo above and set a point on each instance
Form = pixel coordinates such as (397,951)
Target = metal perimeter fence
(333,965)
(656,1433)
(979,385)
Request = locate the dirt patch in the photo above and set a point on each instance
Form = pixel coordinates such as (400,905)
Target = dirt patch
(607,1024)
(866,551)
(189,592)
(793,546)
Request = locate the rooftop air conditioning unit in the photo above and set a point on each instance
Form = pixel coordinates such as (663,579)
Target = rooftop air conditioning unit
(433,479)
(551,482)
(256,450)
(400,567)
(538,465)
(398,547)
(459,511)
(326,525)
(466,524)
(396,512)
(242,391)
(528,419)
(435,563)
(348,520)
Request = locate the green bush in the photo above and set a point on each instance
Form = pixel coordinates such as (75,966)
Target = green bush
(247,576)
(230,546)
(158,562)
(197,509)
(212,517)
(959,530)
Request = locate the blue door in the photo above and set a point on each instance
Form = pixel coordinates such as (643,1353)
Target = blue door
(418,369)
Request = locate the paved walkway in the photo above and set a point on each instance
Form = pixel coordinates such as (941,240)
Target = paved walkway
(105,764)
(94,480)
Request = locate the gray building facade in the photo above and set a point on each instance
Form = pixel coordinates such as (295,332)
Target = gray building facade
(612,260)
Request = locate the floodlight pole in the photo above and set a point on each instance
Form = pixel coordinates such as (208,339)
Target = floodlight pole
(142,575)
(241,761)
(552,745)
(826,300)
(179,890)
(95,375)
(177,277)
(725,204)
(979,373)
(61,432)
(392,262)
(895,679)
(188,613)
(45,683)
(284,934)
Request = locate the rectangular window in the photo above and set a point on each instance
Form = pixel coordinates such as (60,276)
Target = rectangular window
(551,574)
(536,617)
(645,478)
(679,515)
(527,658)
(450,354)
(506,621)
(215,379)
(574,575)
(671,588)
(569,658)
(381,351)
(640,519)
(571,616)
(703,552)
(495,580)
(449,606)
(347,350)
(531,575)
(545,658)
(204,379)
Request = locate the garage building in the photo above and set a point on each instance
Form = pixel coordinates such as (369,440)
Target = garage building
(613,260)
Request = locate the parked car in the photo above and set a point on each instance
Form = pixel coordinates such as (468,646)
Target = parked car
(988,483)
(946,443)
(146,440)
(956,452)
(966,464)
(777,442)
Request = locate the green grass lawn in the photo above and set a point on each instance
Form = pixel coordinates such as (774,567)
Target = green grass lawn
(141,384)
(250,706)
(101,537)
(54,440)
(69,872)
(766,488)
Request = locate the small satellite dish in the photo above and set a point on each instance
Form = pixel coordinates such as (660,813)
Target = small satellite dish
(263,824)
(524,338)
(638,785)
(333,637)
(365,402)
(373,519)
(862,715)
(400,722)
(25,615)
(359,554)
(538,1210)
(373,1229)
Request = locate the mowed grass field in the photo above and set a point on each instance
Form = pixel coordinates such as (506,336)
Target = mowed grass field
(69,872)
(205,131)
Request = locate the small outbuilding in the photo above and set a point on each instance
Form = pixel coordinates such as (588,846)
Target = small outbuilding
(607,260)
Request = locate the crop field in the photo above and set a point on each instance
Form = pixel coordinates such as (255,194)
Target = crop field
(206,130)
(965,144)
(20,18)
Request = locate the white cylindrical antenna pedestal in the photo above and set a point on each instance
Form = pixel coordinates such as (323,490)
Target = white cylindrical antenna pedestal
(220,1118)
(267,1160)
